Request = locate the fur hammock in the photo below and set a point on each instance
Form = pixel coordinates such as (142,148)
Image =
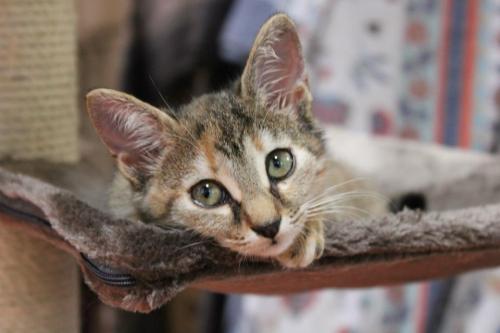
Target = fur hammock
(139,267)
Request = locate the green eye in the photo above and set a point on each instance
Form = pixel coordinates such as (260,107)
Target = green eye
(208,194)
(279,164)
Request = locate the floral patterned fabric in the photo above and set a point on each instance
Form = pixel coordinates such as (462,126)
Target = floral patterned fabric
(372,310)
(421,69)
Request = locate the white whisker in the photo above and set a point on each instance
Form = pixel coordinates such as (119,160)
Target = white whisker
(333,188)
(340,210)
(344,196)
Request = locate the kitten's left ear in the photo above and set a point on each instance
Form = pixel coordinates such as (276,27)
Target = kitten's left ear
(135,133)
(275,71)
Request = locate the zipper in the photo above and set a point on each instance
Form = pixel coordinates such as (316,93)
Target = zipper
(23,215)
(105,274)
(108,275)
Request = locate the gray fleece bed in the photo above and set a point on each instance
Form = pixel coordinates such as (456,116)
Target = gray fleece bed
(139,267)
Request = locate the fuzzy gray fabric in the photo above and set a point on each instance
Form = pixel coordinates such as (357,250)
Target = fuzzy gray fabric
(149,265)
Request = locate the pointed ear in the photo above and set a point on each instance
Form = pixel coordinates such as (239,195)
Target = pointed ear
(275,71)
(134,132)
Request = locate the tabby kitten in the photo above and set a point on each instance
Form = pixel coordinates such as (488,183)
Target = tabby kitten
(246,166)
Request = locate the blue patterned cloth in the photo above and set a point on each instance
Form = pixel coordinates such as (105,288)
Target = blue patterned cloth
(427,70)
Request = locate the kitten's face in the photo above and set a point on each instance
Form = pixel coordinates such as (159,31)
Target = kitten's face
(238,165)
(238,174)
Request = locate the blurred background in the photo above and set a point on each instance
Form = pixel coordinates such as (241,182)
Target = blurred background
(425,70)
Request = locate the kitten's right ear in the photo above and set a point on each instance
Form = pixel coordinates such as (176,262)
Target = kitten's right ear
(275,72)
(134,132)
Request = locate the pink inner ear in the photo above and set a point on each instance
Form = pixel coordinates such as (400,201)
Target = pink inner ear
(279,69)
(130,132)
(107,122)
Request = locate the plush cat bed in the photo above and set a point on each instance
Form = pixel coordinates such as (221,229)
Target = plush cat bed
(139,267)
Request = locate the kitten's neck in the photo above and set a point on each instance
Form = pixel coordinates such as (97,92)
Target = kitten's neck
(121,199)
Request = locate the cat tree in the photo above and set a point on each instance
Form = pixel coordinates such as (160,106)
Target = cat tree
(39,285)
(139,267)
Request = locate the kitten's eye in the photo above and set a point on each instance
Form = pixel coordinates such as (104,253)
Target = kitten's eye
(208,194)
(279,164)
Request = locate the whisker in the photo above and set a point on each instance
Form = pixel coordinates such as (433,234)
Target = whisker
(337,207)
(192,137)
(192,244)
(357,192)
(175,117)
(333,188)
(346,195)
(160,94)
(186,140)
(236,242)
(168,227)
(339,213)
(341,210)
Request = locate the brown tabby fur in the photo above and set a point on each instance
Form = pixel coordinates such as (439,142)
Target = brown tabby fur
(226,136)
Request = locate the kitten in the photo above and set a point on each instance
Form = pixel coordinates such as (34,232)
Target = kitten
(246,166)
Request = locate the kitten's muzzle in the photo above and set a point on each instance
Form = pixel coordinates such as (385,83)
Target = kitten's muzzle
(268,230)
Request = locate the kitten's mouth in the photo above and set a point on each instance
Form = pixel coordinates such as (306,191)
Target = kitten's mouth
(276,246)
(261,248)
(254,245)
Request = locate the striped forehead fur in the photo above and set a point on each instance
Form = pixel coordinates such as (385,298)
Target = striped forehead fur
(227,118)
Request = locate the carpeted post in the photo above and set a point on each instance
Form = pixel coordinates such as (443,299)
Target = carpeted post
(39,288)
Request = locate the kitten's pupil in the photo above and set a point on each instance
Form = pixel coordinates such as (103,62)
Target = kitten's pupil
(276,162)
(206,190)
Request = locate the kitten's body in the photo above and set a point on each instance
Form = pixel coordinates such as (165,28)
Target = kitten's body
(256,146)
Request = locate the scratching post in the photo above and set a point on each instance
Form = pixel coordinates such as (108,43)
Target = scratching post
(39,285)
(38,117)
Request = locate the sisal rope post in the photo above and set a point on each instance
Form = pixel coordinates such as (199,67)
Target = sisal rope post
(39,285)
(38,110)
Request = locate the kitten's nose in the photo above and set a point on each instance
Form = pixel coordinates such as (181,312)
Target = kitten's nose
(268,230)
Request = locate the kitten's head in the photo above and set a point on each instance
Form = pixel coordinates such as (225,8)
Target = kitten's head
(237,165)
